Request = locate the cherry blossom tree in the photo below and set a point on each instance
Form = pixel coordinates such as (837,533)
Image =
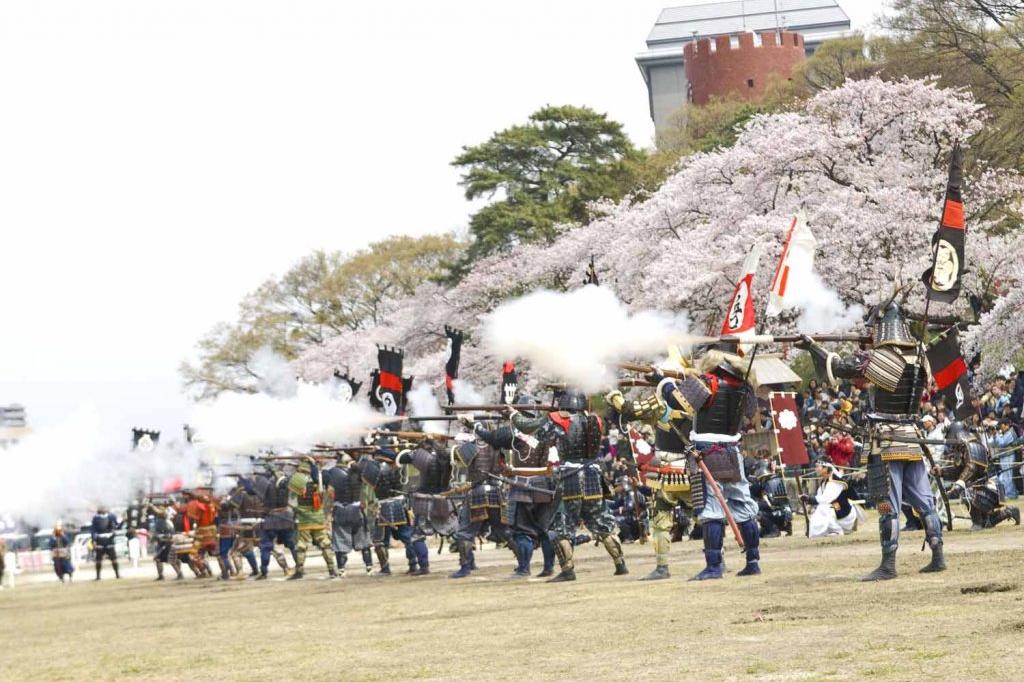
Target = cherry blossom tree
(867,162)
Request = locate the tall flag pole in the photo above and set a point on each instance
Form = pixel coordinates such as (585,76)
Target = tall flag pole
(942,280)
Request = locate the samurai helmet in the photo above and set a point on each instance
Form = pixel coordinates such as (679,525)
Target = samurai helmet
(891,328)
(571,399)
(958,431)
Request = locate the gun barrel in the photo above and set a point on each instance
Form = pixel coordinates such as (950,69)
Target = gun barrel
(446,418)
(414,435)
(505,408)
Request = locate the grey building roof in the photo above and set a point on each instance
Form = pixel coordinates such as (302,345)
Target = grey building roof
(677,25)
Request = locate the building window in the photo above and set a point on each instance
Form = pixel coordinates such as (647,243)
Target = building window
(750,82)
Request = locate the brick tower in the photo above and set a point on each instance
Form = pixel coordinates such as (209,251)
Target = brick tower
(714,68)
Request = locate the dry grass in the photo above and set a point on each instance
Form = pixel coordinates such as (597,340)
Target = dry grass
(806,618)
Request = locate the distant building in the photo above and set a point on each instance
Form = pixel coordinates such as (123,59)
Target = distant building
(13,426)
(699,51)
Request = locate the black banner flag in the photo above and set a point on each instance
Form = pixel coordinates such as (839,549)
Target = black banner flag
(942,279)
(451,367)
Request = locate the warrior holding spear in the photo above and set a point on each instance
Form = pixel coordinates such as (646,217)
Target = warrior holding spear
(898,373)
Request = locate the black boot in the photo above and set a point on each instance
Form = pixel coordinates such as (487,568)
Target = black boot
(564,576)
(885,571)
(1004,514)
(933,534)
(99,569)
(751,543)
(938,562)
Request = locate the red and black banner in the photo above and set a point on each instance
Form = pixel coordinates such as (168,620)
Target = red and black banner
(942,279)
(950,373)
(451,367)
(387,388)
(508,390)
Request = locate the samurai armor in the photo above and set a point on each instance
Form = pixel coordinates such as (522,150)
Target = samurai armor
(582,439)
(885,367)
(207,538)
(506,511)
(347,514)
(369,468)
(248,528)
(482,499)
(517,493)
(722,462)
(984,499)
(894,450)
(581,482)
(669,479)
(182,543)
(393,511)
(892,329)
(878,481)
(692,393)
(723,413)
(435,513)
(485,496)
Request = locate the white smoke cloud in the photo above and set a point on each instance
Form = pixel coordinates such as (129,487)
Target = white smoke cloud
(467,394)
(75,465)
(578,336)
(822,311)
(423,403)
(64,471)
(245,422)
(276,375)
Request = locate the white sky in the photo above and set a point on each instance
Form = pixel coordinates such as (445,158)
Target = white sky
(160,159)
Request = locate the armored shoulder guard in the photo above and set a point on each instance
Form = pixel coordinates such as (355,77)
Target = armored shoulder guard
(885,367)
